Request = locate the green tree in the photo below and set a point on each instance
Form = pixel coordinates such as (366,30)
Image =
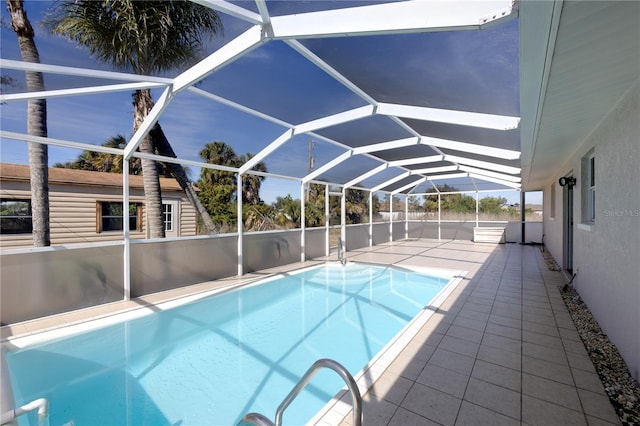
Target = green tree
(145,37)
(218,188)
(492,205)
(36,126)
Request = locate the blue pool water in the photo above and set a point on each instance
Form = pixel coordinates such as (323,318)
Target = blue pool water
(211,361)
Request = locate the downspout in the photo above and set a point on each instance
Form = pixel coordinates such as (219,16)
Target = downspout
(240,227)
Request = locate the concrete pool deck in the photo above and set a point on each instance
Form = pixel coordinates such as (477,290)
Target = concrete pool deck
(500,349)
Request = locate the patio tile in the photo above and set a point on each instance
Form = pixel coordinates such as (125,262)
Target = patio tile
(597,405)
(497,374)
(548,370)
(475,315)
(536,412)
(475,415)
(542,339)
(375,412)
(469,323)
(569,334)
(499,357)
(493,397)
(506,321)
(444,380)
(587,380)
(406,366)
(404,417)
(574,347)
(549,330)
(453,361)
(594,421)
(501,330)
(551,391)
(465,333)
(582,362)
(460,346)
(391,387)
(543,352)
(504,343)
(432,404)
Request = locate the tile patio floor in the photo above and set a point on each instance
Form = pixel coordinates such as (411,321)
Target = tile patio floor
(501,350)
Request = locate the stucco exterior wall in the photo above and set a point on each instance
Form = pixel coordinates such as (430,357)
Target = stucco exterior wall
(606,254)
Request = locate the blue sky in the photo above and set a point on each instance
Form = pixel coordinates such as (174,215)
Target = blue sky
(273,79)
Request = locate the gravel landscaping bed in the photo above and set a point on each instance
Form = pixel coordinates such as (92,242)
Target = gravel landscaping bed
(623,390)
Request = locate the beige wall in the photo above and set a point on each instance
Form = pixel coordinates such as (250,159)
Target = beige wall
(607,253)
(73,213)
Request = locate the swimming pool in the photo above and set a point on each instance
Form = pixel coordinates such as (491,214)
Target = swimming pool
(213,360)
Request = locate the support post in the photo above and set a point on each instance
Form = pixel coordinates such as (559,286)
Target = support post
(240,227)
(477,208)
(406,217)
(125,230)
(303,222)
(522,218)
(327,243)
(439,218)
(390,218)
(343,220)
(370,218)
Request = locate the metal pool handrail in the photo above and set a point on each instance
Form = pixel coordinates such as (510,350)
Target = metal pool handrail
(260,420)
(40,404)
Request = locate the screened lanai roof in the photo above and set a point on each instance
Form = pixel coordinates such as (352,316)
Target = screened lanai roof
(386,96)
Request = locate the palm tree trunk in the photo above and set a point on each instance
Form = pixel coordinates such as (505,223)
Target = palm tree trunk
(152,194)
(164,148)
(36,126)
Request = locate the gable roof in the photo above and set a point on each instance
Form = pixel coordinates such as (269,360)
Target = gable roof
(61,176)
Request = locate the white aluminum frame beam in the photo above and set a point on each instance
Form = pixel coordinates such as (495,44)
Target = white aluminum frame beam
(331,164)
(382,146)
(332,120)
(482,172)
(417,160)
(488,151)
(494,180)
(237,47)
(390,182)
(233,10)
(150,120)
(80,72)
(483,164)
(448,176)
(48,94)
(402,17)
(462,118)
(366,175)
(435,170)
(409,185)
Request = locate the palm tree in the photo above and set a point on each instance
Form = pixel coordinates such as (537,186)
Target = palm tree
(145,37)
(36,126)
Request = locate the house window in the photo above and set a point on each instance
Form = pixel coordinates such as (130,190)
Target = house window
(15,217)
(589,188)
(109,216)
(168,215)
